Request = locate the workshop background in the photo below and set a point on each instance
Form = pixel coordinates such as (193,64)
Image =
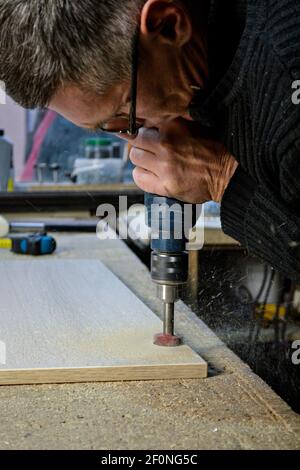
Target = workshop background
(61,173)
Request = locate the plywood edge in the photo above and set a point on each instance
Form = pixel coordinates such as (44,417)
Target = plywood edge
(104,374)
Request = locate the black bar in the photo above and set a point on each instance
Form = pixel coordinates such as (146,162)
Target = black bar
(65,200)
(149,459)
(83,226)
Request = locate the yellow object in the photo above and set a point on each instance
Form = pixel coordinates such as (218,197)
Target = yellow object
(11,185)
(4,227)
(5,244)
(270,312)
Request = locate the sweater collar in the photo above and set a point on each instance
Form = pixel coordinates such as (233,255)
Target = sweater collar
(225,61)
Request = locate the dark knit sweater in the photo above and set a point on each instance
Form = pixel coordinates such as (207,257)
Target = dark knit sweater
(250,109)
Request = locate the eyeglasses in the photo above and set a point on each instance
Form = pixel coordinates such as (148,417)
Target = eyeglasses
(128,124)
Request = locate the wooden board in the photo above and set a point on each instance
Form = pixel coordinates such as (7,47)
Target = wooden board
(74,321)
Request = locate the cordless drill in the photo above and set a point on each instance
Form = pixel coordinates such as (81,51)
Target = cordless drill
(170,221)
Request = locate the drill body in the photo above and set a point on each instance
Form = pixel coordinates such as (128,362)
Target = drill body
(169,223)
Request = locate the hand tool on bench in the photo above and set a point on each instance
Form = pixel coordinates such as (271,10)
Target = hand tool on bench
(37,244)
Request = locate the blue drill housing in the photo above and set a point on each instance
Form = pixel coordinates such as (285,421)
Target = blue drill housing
(166,218)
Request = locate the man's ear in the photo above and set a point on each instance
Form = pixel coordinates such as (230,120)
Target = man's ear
(167,20)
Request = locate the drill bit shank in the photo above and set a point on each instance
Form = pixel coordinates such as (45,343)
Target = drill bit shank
(169,318)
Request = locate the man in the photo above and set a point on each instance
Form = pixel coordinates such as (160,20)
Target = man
(215,112)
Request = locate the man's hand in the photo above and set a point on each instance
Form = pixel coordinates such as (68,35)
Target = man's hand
(176,161)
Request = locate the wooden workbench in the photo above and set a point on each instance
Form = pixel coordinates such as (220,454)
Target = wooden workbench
(232,409)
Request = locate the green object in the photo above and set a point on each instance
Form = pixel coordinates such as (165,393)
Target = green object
(98,142)
(98,147)
(90,142)
(103,142)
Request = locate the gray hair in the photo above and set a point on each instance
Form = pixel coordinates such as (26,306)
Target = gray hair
(47,43)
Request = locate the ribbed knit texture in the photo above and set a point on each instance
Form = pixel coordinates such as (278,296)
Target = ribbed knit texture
(253,111)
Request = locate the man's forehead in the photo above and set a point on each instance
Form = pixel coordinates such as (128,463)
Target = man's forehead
(85,108)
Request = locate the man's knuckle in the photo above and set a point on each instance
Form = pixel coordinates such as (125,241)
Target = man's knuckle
(136,174)
(166,168)
(134,152)
(171,182)
(137,156)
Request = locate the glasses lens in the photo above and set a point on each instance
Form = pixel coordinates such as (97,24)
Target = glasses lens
(120,125)
(116,125)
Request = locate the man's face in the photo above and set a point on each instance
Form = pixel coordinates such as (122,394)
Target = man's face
(159,99)
(163,93)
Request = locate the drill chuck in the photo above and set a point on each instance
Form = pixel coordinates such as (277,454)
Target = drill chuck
(169,268)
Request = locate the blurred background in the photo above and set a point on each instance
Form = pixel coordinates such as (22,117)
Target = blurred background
(48,150)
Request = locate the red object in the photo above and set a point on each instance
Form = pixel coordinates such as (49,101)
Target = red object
(162,339)
(39,137)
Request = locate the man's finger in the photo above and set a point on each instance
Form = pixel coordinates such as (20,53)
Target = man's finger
(148,182)
(147,139)
(144,159)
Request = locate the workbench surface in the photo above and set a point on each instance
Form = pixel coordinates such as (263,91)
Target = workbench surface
(231,409)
